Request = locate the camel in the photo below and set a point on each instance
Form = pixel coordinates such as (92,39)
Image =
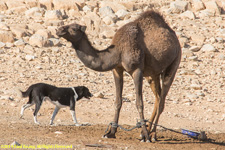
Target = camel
(146,47)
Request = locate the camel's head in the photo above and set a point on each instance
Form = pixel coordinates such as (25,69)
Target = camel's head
(72,32)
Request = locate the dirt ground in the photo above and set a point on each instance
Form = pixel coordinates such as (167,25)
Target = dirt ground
(63,133)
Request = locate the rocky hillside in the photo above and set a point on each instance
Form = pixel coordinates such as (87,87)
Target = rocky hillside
(31,52)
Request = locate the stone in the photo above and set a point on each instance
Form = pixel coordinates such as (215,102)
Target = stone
(2,44)
(46,4)
(99,95)
(38,40)
(178,6)
(14,3)
(66,4)
(213,7)
(3,6)
(31,3)
(196,86)
(206,13)
(18,32)
(6,36)
(208,48)
(121,14)
(3,26)
(198,5)
(44,32)
(54,42)
(87,9)
(53,15)
(106,11)
(108,20)
(29,57)
(198,38)
(19,9)
(15,143)
(35,12)
(114,6)
(19,42)
(188,14)
(195,48)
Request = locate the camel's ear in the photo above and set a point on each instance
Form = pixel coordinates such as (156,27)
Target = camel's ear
(83,28)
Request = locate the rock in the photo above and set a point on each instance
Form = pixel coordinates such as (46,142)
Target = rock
(198,38)
(6,36)
(31,3)
(195,48)
(115,6)
(14,4)
(108,20)
(106,11)
(206,13)
(54,42)
(193,58)
(3,6)
(208,48)
(15,143)
(18,32)
(178,6)
(3,26)
(213,7)
(66,4)
(29,57)
(44,32)
(87,9)
(46,4)
(19,9)
(107,32)
(38,40)
(221,56)
(35,12)
(196,86)
(99,95)
(198,5)
(121,14)
(188,14)
(53,15)
(19,42)
(2,44)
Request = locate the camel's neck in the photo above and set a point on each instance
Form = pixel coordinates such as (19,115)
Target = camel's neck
(104,60)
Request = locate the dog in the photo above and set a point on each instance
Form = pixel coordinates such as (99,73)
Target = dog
(60,97)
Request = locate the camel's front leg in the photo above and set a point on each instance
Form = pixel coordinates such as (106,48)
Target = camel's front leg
(118,77)
(138,81)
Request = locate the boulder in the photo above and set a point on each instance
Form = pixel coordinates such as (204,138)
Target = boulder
(178,6)
(188,14)
(198,5)
(53,15)
(213,7)
(66,4)
(44,32)
(38,40)
(122,13)
(18,32)
(35,12)
(6,36)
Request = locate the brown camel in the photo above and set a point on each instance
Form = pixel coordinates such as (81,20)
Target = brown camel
(146,47)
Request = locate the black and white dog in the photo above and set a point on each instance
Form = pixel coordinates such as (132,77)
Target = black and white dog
(60,97)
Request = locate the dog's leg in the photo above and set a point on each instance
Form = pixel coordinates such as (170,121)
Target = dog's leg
(37,108)
(73,113)
(54,114)
(25,107)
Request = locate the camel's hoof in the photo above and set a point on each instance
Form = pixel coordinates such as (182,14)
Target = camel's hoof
(148,141)
(110,135)
(153,137)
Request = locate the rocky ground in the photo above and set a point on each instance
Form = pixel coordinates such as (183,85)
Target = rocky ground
(30,52)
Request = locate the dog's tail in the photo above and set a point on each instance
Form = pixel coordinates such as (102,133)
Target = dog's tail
(25,93)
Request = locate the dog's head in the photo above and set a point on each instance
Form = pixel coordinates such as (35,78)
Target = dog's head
(83,91)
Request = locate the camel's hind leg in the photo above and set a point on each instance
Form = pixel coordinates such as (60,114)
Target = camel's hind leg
(156,89)
(118,77)
(167,80)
